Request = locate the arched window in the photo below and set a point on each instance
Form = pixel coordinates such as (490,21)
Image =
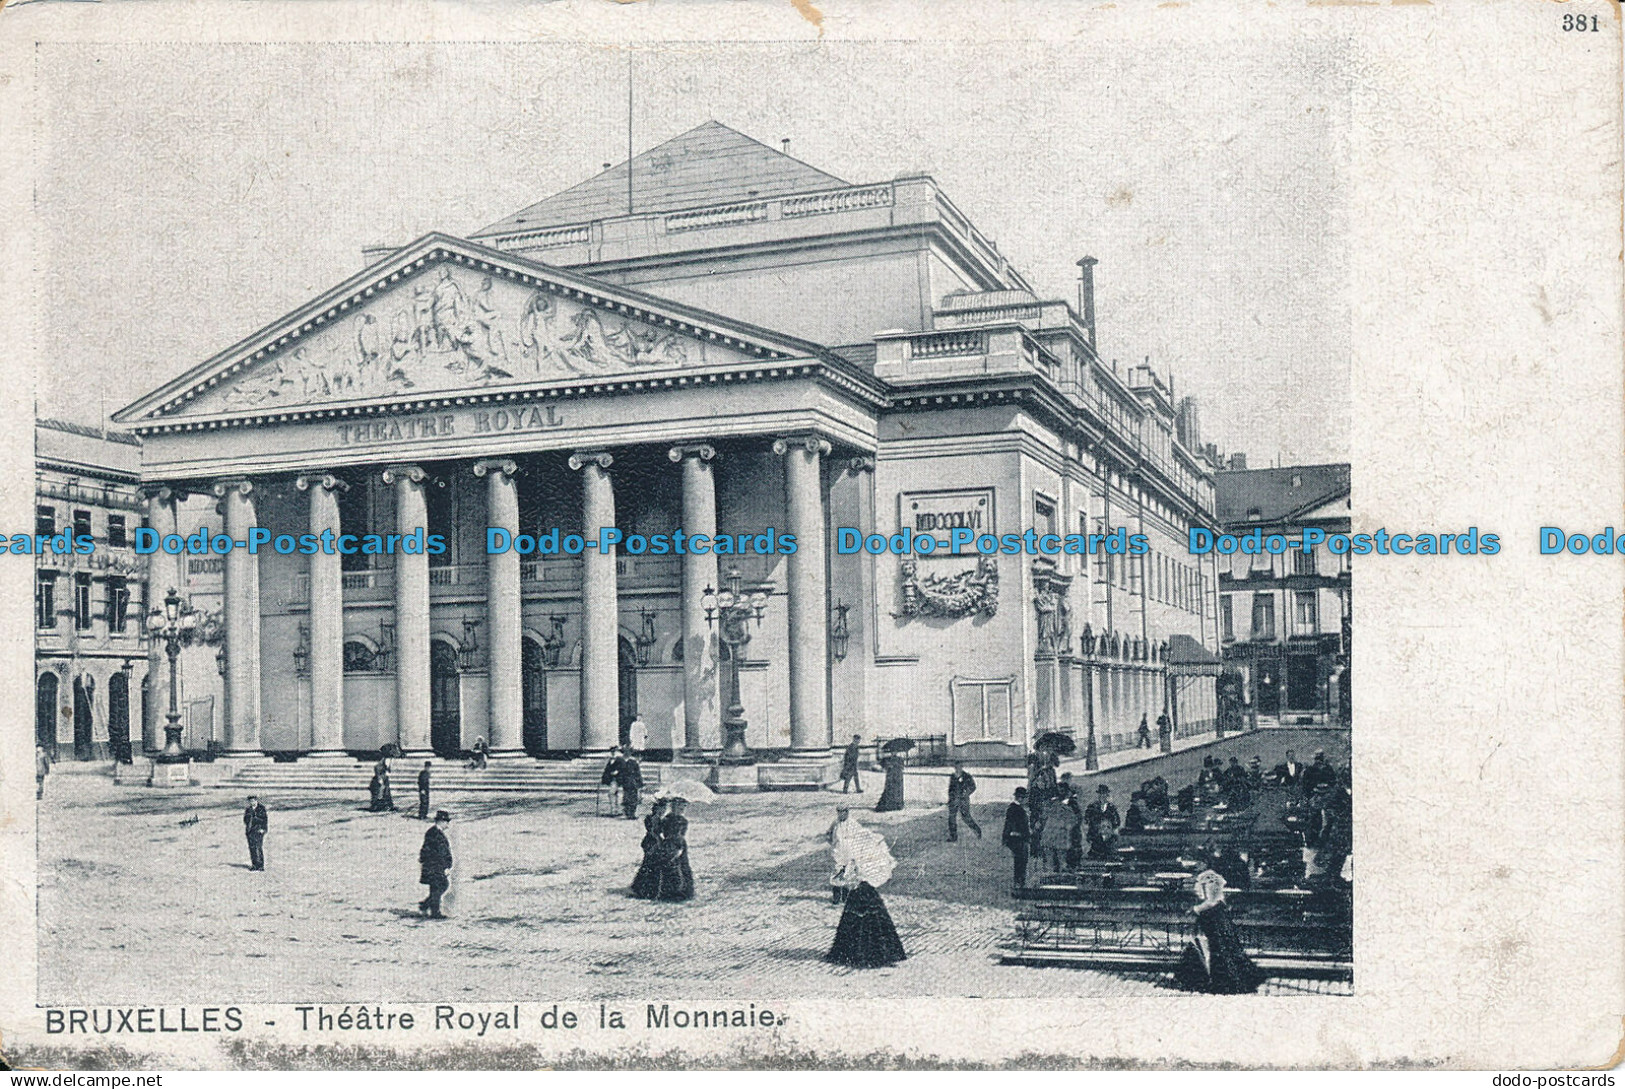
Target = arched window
(359,657)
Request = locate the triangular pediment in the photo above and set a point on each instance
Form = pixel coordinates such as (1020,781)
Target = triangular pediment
(444,315)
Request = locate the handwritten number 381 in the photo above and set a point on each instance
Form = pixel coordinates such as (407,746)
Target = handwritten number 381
(1580,22)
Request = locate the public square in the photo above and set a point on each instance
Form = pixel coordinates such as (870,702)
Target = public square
(145,896)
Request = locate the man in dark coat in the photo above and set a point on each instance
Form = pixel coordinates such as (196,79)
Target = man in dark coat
(849,764)
(1017,835)
(1288,773)
(423,792)
(255,824)
(434,859)
(960,787)
(1102,821)
(630,778)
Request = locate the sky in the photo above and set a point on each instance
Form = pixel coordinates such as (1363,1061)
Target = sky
(188,195)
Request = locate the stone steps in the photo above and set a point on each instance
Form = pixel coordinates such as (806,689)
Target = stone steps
(353,777)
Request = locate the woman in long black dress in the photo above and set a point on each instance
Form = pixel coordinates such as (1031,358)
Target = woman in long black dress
(891,798)
(866,936)
(646,885)
(1215,963)
(676,876)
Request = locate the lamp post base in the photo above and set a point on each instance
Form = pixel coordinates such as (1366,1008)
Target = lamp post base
(167,774)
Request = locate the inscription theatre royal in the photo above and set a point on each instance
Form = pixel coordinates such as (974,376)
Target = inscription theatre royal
(765,347)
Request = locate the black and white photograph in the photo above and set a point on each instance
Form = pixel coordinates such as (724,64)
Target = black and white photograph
(680,530)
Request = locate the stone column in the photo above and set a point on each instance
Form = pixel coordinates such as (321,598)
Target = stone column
(701,708)
(164,573)
(411,613)
(809,609)
(242,616)
(326,619)
(502,608)
(600,613)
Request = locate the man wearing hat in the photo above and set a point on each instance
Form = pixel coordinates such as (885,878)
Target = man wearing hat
(434,859)
(1101,820)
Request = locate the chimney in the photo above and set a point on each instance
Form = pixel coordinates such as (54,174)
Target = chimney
(1238,462)
(1086,295)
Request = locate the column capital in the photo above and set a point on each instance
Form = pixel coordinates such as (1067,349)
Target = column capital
(501,466)
(161,493)
(326,481)
(414,473)
(702,450)
(239,484)
(810,443)
(581,459)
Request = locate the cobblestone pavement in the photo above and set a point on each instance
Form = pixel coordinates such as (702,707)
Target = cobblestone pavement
(146,895)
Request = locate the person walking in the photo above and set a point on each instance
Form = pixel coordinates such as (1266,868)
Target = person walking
(891,798)
(434,860)
(255,825)
(42,768)
(646,883)
(423,792)
(676,875)
(630,778)
(849,764)
(961,785)
(1017,837)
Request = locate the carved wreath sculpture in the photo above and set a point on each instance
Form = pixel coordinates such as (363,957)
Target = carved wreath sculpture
(968,593)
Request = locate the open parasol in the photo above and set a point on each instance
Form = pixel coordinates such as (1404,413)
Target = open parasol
(1060,744)
(689,790)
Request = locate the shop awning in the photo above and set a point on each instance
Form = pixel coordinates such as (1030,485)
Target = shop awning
(1188,658)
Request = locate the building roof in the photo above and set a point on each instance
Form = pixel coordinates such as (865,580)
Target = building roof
(711,164)
(1275,495)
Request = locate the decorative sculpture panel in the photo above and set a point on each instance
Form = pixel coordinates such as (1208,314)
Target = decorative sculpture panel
(967,593)
(451,327)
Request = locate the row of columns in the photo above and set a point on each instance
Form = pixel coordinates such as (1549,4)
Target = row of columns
(600,635)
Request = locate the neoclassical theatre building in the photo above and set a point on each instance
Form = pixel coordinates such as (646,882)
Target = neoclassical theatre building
(750,344)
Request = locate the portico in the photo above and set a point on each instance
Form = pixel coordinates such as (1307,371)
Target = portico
(454,387)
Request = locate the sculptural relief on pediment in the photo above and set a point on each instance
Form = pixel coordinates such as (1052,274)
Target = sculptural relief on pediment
(455,328)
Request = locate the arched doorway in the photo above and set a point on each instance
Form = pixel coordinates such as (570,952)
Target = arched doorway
(83,720)
(629,689)
(45,695)
(118,716)
(445,701)
(535,699)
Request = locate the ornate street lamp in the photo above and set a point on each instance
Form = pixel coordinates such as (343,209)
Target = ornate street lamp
(176,625)
(839,633)
(731,611)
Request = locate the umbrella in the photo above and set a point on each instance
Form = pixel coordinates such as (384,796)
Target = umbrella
(897,744)
(689,790)
(1058,743)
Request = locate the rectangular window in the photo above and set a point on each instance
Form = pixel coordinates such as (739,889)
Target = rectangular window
(81,523)
(1227,627)
(118,603)
(1043,515)
(45,521)
(1307,614)
(437,505)
(1303,562)
(81,599)
(355,519)
(45,599)
(1263,616)
(115,532)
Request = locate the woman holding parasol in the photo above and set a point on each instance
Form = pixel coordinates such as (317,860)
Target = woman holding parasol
(866,936)
(892,760)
